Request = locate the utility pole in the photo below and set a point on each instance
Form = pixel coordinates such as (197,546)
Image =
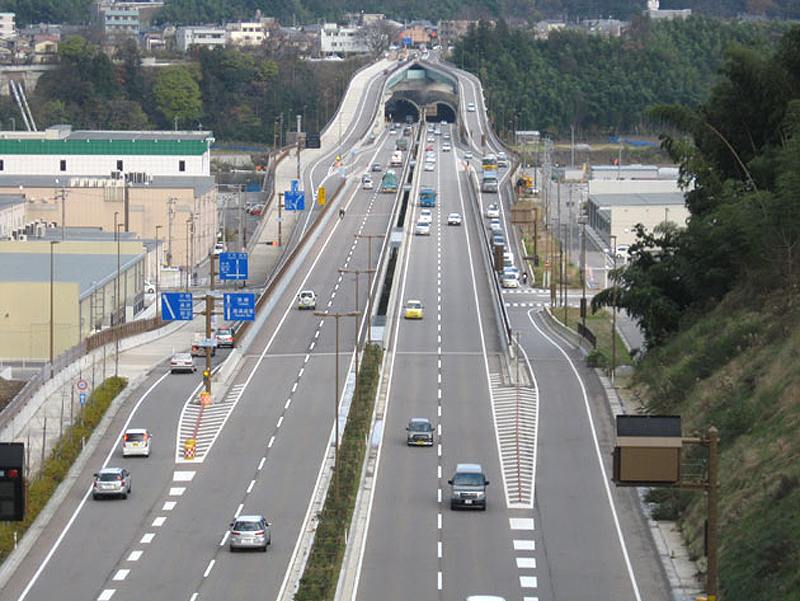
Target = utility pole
(209,312)
(357,273)
(52,244)
(280,219)
(63,196)
(336,316)
(158,265)
(171,214)
(614,312)
(369,238)
(118,317)
(583,273)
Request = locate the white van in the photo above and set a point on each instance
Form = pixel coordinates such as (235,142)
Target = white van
(136,441)
(397,159)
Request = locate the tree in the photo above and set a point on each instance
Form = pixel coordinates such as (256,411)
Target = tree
(377,36)
(177,96)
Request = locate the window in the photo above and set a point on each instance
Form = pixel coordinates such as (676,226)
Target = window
(119,165)
(181,166)
(2,165)
(63,165)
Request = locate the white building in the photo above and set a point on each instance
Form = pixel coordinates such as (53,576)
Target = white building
(654,12)
(60,151)
(8,28)
(12,214)
(334,39)
(245,34)
(186,37)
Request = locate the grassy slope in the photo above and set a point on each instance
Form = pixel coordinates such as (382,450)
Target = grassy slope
(738,368)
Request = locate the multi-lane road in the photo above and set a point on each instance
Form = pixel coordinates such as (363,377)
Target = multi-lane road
(554,528)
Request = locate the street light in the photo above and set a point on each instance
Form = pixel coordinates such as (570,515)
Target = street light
(614,311)
(336,316)
(52,244)
(158,264)
(357,273)
(118,318)
(369,238)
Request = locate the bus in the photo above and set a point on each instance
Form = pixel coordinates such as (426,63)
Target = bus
(490,162)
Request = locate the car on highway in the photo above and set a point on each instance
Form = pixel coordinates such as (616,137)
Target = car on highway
(249,532)
(510,278)
(423,228)
(502,159)
(508,260)
(111,482)
(446,147)
(454,219)
(376,167)
(498,238)
(307,299)
(430,140)
(437,132)
(468,155)
(429,148)
(136,442)
(471,107)
(623,251)
(492,211)
(219,247)
(426,215)
(430,166)
(393,131)
(468,486)
(414,309)
(366,182)
(419,432)
(200,344)
(446,135)
(224,337)
(182,362)
(495,225)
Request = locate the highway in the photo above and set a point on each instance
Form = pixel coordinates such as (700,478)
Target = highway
(554,527)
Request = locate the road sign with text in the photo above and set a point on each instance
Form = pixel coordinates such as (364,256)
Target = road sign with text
(240,306)
(233,266)
(294,199)
(177,306)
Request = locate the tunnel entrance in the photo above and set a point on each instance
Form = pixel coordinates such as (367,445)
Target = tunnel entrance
(398,110)
(444,112)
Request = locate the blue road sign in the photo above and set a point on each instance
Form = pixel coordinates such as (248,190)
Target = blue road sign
(177,306)
(240,306)
(294,199)
(233,266)
(82,398)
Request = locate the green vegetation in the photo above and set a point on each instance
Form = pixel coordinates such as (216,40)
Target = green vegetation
(325,560)
(600,325)
(600,85)
(60,460)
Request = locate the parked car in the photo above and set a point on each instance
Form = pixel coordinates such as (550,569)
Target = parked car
(182,362)
(136,441)
(111,482)
(149,288)
(419,432)
(224,337)
(249,532)
(307,299)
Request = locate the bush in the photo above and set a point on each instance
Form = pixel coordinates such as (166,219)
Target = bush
(60,460)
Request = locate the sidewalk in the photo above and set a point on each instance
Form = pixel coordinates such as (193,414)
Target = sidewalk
(54,406)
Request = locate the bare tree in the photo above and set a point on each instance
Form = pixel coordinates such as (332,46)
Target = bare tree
(377,36)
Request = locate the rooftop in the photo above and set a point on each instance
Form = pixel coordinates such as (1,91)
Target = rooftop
(638,200)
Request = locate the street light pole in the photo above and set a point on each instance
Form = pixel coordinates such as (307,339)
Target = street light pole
(369,238)
(614,312)
(357,273)
(336,316)
(158,264)
(118,318)
(52,244)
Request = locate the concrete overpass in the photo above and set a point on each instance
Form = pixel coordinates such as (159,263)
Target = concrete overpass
(421,89)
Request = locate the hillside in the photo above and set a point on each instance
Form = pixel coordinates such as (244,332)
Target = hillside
(738,368)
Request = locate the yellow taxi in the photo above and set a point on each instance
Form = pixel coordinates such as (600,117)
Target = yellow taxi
(414,309)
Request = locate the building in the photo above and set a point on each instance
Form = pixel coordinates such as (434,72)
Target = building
(618,214)
(419,33)
(450,31)
(334,39)
(209,37)
(12,214)
(654,12)
(245,34)
(111,19)
(623,172)
(8,28)
(83,280)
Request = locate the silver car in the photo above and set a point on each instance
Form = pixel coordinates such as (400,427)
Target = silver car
(250,532)
(468,486)
(419,432)
(112,482)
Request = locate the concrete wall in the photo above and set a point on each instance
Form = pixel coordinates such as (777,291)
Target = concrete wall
(632,186)
(625,218)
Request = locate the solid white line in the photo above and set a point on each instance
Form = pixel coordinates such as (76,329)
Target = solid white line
(74,515)
(208,569)
(599,456)
(250,487)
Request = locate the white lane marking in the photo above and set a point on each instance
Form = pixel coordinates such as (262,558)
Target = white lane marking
(159,521)
(280,421)
(524,545)
(184,476)
(528,581)
(263,459)
(439,471)
(439,521)
(438,495)
(526,563)
(196,595)
(105,595)
(439,580)
(294,388)
(147,538)
(168,505)
(121,574)
(134,555)
(439,429)
(308,356)
(224,538)
(439,549)
(252,484)
(316,334)
(439,450)
(208,569)
(530,599)
(176,491)
(521,523)
(439,412)
(269,446)
(288,402)
(74,515)
(312,345)
(600,459)
(301,372)
(439,393)
(238,510)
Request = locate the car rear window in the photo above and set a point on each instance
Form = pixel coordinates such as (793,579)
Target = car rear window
(109,477)
(247,526)
(135,437)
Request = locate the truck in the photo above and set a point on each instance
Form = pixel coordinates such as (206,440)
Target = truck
(489,182)
(427,197)
(389,182)
(401,144)
(397,159)
(199,344)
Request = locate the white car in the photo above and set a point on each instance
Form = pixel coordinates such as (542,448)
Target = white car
(219,247)
(437,132)
(182,362)
(426,215)
(454,219)
(430,156)
(492,211)
(136,441)
(366,182)
(622,251)
(510,278)
(508,260)
(307,299)
(495,225)
(430,166)
(431,139)
(471,107)
(149,288)
(468,155)
(446,147)
(423,228)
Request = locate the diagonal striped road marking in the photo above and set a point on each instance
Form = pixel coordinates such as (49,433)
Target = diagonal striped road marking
(213,419)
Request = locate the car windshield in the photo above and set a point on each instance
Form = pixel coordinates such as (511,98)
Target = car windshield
(419,427)
(247,526)
(468,479)
(109,477)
